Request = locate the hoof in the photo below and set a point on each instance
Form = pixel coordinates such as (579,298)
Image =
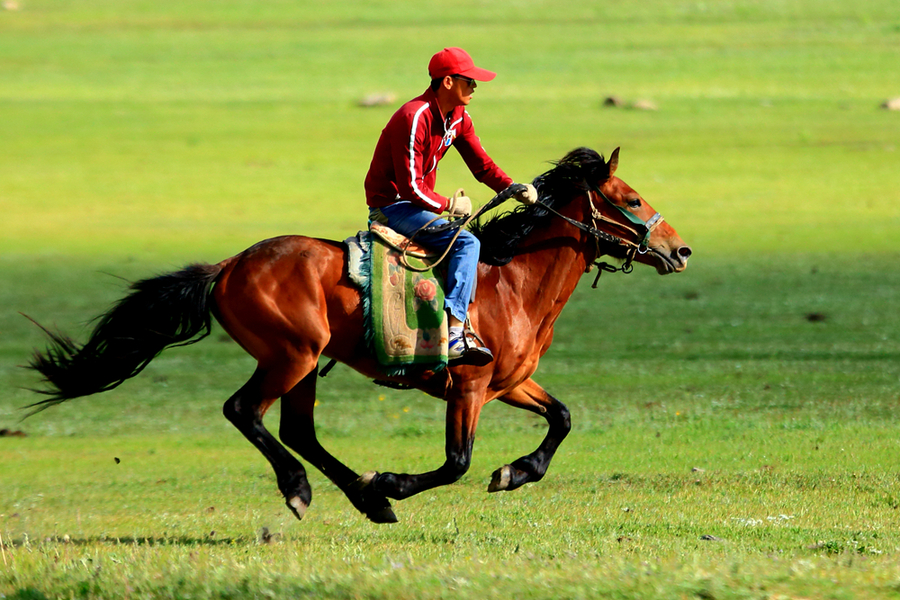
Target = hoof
(500,479)
(385,515)
(297,506)
(373,505)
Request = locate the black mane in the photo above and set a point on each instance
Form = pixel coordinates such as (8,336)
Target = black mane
(500,236)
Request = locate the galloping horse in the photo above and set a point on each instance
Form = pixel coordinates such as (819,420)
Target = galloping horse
(288,301)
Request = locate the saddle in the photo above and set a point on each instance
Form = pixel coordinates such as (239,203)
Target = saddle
(401,243)
(403,309)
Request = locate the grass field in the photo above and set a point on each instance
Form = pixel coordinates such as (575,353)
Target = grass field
(735,426)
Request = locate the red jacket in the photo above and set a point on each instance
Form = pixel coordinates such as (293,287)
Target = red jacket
(416,138)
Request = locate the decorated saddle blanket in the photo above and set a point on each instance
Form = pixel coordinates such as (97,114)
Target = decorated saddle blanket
(406,325)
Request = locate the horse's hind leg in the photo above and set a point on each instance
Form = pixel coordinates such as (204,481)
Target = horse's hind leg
(245,409)
(298,431)
(532,467)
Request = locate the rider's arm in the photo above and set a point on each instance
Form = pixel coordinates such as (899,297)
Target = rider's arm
(483,168)
(413,165)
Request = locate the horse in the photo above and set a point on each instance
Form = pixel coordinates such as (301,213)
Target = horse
(287,301)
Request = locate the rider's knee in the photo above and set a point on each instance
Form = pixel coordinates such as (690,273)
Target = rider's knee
(469,240)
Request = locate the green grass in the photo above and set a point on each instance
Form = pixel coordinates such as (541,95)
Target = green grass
(724,444)
(739,419)
(159,526)
(232,125)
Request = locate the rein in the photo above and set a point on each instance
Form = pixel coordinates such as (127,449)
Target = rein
(457,224)
(640,231)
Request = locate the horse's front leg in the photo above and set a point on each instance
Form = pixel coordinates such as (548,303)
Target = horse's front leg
(532,467)
(462,420)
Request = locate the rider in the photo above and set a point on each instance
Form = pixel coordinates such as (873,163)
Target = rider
(400,182)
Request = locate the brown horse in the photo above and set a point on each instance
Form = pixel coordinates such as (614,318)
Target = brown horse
(288,301)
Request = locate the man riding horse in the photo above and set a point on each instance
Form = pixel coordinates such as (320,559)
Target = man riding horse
(289,301)
(401,179)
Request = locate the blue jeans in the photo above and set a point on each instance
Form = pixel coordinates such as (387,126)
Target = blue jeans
(462,266)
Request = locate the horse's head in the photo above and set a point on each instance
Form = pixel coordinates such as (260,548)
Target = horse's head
(582,190)
(646,236)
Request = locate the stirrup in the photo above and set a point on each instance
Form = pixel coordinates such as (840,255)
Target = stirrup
(470,353)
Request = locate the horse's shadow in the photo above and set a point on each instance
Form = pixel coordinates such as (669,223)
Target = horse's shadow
(210,541)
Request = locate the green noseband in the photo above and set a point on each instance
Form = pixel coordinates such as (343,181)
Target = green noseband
(646,227)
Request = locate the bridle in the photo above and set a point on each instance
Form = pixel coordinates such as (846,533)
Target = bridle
(639,229)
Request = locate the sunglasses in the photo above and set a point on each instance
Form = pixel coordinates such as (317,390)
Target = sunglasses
(472,83)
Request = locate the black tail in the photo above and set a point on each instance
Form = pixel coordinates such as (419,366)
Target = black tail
(169,310)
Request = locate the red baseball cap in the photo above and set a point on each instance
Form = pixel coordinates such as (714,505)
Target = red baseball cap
(456,61)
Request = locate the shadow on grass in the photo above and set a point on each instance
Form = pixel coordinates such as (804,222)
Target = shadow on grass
(28,594)
(150,542)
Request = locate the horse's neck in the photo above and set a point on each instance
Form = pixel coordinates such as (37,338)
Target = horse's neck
(558,268)
(547,269)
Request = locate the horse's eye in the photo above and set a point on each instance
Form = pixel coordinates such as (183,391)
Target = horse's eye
(636,203)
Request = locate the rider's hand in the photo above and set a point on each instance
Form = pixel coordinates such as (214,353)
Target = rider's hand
(460,205)
(527,196)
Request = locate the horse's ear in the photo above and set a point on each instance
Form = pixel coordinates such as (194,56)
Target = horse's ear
(613,163)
